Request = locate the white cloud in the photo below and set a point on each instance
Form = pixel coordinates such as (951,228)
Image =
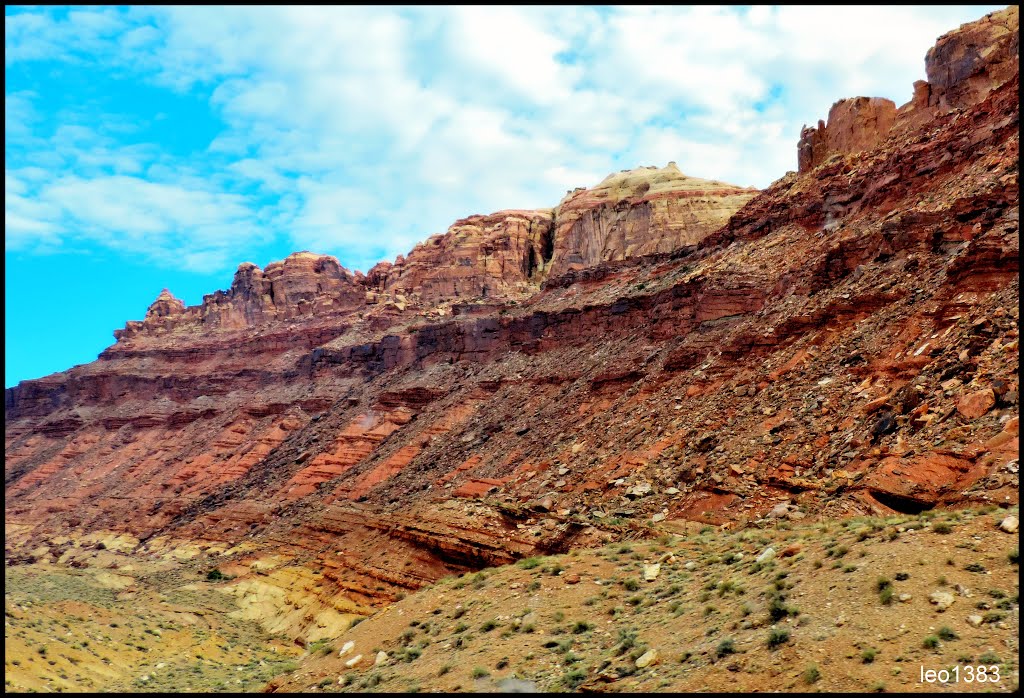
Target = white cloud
(359,131)
(192,228)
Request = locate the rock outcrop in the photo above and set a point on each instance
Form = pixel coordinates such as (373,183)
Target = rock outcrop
(968,63)
(854,125)
(302,285)
(638,212)
(480,261)
(963,67)
(503,255)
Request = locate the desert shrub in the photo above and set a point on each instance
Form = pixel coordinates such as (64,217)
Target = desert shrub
(777,636)
(812,674)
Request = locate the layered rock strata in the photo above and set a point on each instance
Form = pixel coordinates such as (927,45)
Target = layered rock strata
(847,342)
(639,212)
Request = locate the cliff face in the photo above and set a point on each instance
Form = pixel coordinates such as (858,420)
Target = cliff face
(853,125)
(300,286)
(503,255)
(846,342)
(966,64)
(962,68)
(639,212)
(481,260)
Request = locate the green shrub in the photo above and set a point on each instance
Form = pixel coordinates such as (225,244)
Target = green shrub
(627,640)
(574,678)
(868,655)
(946,633)
(930,642)
(725,647)
(777,636)
(812,674)
(479,672)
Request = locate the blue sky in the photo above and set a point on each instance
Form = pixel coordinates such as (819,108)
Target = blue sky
(160,147)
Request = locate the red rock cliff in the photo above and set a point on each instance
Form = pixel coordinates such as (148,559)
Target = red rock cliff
(853,125)
(502,255)
(847,341)
(962,68)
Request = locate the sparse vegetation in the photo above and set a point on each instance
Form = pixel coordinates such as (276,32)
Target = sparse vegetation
(777,636)
(812,674)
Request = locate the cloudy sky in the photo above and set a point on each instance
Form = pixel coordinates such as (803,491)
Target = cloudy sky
(153,147)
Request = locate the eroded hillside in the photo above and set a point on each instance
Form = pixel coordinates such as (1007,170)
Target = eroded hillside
(657,350)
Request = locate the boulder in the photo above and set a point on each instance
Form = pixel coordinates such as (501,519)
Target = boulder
(647,659)
(941,599)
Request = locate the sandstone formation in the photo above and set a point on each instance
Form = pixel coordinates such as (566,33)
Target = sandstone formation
(481,260)
(502,255)
(302,285)
(966,64)
(639,212)
(845,342)
(853,125)
(963,67)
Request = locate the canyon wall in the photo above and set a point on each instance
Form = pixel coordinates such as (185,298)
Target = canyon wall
(845,342)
